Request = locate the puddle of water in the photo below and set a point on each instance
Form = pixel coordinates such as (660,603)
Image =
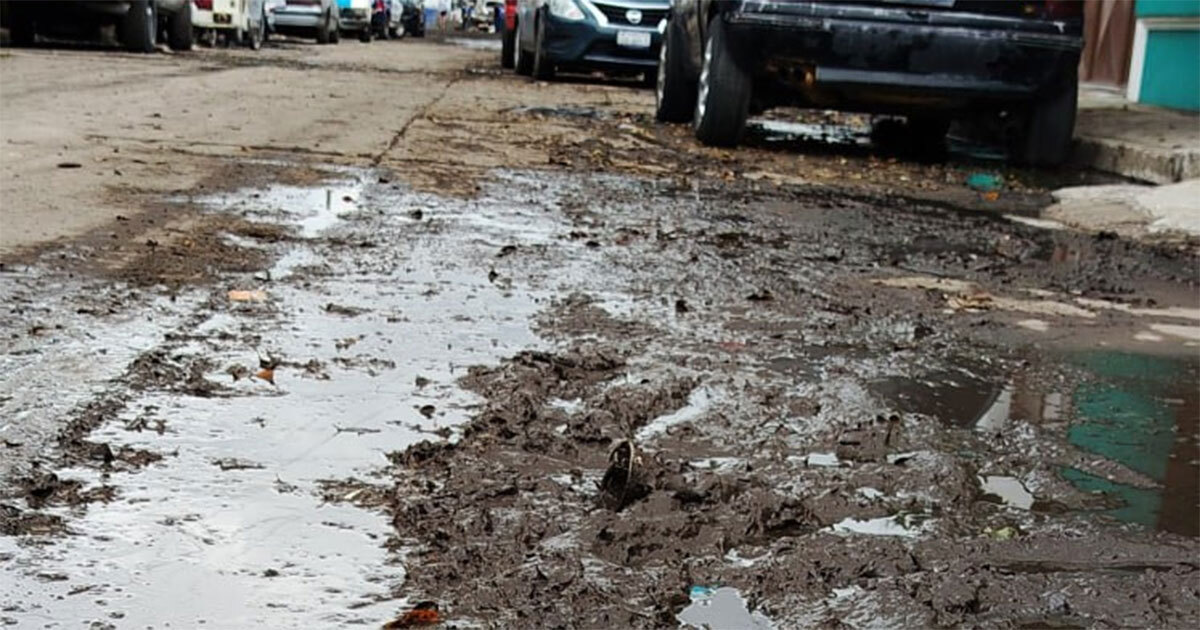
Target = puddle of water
(188,543)
(564,111)
(1010,490)
(902,525)
(721,608)
(1145,415)
(475,43)
(311,210)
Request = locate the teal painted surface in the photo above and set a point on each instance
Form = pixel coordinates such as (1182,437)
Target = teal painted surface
(1170,77)
(1124,426)
(1127,417)
(1140,505)
(1167,8)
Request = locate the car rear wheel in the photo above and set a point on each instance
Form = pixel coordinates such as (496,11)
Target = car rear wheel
(522,60)
(543,68)
(723,93)
(323,31)
(21,28)
(180,35)
(139,28)
(258,34)
(507,45)
(1050,126)
(674,94)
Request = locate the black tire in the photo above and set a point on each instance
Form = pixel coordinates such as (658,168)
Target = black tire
(22,31)
(256,36)
(323,31)
(366,35)
(522,60)
(543,68)
(507,55)
(139,27)
(926,136)
(674,92)
(327,29)
(723,92)
(180,35)
(335,31)
(1050,125)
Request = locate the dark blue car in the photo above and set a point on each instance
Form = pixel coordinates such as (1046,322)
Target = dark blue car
(618,35)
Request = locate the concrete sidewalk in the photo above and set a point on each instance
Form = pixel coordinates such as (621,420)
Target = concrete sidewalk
(1146,143)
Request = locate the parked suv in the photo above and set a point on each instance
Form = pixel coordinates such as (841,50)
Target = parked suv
(138,22)
(933,61)
(586,35)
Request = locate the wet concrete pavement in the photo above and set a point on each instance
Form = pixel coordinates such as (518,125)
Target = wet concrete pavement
(606,391)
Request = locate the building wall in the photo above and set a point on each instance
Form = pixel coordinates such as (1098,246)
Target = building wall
(1165,68)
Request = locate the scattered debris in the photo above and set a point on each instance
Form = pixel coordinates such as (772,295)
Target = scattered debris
(233,463)
(239,295)
(422,614)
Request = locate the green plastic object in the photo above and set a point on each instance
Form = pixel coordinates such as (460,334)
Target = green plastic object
(985,182)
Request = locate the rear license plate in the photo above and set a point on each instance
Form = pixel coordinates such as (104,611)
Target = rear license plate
(633,39)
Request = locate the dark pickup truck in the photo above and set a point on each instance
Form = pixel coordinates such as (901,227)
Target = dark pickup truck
(1012,62)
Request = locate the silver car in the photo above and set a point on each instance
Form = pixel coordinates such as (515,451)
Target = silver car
(308,18)
(138,22)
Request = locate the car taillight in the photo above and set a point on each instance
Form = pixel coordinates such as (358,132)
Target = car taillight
(203,4)
(1063,9)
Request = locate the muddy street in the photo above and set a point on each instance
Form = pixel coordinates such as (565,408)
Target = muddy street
(308,336)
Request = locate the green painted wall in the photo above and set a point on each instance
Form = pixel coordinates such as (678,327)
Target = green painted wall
(1171,76)
(1166,8)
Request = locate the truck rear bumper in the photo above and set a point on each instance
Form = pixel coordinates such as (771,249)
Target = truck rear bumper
(903,51)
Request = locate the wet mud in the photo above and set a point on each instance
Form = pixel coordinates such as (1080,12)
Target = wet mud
(646,385)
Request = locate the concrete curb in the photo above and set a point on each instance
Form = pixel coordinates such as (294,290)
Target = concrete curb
(1149,164)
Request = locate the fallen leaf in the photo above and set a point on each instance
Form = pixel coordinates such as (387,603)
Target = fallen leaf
(423,614)
(266,374)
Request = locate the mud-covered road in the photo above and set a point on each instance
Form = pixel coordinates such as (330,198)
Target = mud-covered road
(304,337)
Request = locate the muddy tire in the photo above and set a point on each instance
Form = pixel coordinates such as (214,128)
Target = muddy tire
(139,27)
(180,35)
(723,92)
(324,32)
(1050,126)
(543,68)
(21,28)
(927,136)
(674,93)
(257,35)
(522,60)
(507,44)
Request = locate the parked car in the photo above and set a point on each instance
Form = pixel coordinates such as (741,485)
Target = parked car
(138,22)
(414,17)
(239,21)
(933,61)
(308,18)
(354,18)
(588,34)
